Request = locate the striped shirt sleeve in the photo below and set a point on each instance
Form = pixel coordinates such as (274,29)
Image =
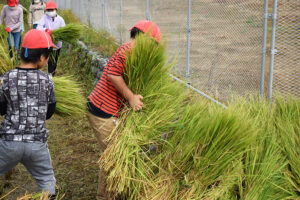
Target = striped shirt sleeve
(116,65)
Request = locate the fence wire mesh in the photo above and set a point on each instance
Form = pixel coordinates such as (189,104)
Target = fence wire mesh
(225,39)
(287,63)
(226,42)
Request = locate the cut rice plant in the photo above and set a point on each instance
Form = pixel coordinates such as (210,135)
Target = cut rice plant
(128,159)
(69,98)
(207,148)
(70,33)
(5,61)
(287,122)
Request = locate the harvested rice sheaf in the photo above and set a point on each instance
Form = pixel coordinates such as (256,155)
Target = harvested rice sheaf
(69,98)
(69,33)
(5,61)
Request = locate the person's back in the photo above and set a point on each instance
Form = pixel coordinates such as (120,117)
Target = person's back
(27,99)
(28,93)
(36,12)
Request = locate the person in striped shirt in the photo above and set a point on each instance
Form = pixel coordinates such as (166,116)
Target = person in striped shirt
(106,100)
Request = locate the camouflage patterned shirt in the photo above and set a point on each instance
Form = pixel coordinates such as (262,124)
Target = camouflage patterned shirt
(28,92)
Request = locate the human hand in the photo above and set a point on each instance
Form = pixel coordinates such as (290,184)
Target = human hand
(48,31)
(136,102)
(7,29)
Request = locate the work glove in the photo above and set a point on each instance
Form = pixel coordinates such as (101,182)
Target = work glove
(48,31)
(7,29)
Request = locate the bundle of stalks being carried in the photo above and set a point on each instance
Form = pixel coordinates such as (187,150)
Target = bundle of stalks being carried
(69,33)
(69,98)
(128,159)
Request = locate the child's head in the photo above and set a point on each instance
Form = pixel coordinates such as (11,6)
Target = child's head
(145,26)
(37,47)
(51,8)
(12,3)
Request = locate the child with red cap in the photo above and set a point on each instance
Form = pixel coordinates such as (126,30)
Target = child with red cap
(49,22)
(13,16)
(27,100)
(106,100)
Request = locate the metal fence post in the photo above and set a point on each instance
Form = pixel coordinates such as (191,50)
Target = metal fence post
(148,17)
(264,50)
(121,21)
(103,14)
(188,43)
(79,9)
(272,49)
(89,14)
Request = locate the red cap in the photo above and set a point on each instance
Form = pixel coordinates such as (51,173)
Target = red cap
(12,3)
(51,5)
(37,39)
(145,26)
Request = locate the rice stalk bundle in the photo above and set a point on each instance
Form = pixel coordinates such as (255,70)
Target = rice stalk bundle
(5,61)
(208,145)
(128,159)
(69,33)
(69,98)
(263,166)
(287,121)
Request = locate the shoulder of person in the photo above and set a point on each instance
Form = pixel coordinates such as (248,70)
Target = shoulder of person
(5,7)
(20,9)
(60,17)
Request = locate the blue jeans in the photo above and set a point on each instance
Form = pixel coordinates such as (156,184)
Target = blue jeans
(16,38)
(34,26)
(34,156)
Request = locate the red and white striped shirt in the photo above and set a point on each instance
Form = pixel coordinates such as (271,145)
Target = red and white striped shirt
(105,96)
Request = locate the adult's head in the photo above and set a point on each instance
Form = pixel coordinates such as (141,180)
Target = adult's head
(51,8)
(146,26)
(37,47)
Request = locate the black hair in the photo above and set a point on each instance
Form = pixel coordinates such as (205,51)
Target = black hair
(34,55)
(134,32)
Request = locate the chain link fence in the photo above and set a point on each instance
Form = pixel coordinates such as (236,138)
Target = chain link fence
(218,44)
(286,79)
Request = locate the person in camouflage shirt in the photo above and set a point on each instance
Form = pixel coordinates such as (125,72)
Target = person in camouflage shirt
(27,99)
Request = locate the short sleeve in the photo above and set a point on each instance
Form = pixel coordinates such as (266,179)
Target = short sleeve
(116,65)
(51,97)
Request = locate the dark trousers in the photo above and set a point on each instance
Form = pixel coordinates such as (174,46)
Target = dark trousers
(13,39)
(52,63)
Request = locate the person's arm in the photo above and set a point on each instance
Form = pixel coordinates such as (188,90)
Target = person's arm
(3,107)
(3,100)
(51,99)
(30,22)
(50,110)
(2,15)
(20,21)
(135,100)
(63,23)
